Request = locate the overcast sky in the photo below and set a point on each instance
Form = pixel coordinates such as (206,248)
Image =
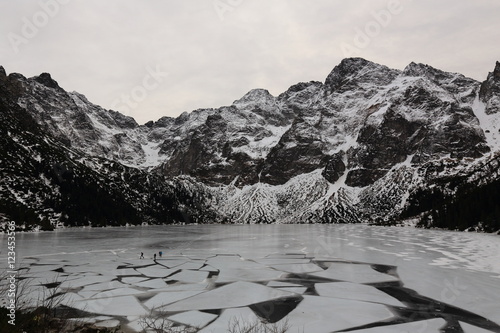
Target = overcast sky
(154,58)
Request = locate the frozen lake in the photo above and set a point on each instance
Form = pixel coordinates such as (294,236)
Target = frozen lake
(320,278)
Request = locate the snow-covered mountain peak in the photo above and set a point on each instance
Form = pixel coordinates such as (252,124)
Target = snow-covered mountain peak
(257,99)
(418,69)
(354,72)
(254,95)
(455,83)
(165,121)
(300,87)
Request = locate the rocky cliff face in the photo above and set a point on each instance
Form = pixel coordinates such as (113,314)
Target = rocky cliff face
(490,91)
(362,146)
(371,116)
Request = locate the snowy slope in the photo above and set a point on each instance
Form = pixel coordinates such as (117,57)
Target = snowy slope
(490,124)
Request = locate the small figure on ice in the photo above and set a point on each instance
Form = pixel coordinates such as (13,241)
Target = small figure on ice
(154,257)
(142,256)
(160,253)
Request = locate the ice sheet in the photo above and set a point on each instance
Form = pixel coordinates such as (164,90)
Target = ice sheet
(233,295)
(85,281)
(187,287)
(47,277)
(116,292)
(172,263)
(282,284)
(287,255)
(87,293)
(165,298)
(242,274)
(208,268)
(233,261)
(297,290)
(43,268)
(472,329)
(193,318)
(460,269)
(354,273)
(298,268)
(427,326)
(127,272)
(155,271)
(114,306)
(152,284)
(104,286)
(466,290)
(188,276)
(358,292)
(111,323)
(282,261)
(133,279)
(194,265)
(228,317)
(325,315)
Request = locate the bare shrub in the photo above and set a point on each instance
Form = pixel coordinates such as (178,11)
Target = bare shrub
(239,325)
(157,322)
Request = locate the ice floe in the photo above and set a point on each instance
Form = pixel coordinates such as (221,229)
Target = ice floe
(110,323)
(164,298)
(298,268)
(296,290)
(152,284)
(189,276)
(354,291)
(282,284)
(230,316)
(103,286)
(113,306)
(155,271)
(427,326)
(85,281)
(242,274)
(467,328)
(357,273)
(324,315)
(133,279)
(237,294)
(116,292)
(195,319)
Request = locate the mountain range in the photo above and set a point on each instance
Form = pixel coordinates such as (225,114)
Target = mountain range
(370,144)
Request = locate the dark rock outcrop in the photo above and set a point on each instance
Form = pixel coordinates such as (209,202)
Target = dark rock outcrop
(490,91)
(47,81)
(334,167)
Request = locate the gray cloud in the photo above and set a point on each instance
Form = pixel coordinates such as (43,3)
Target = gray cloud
(103,49)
